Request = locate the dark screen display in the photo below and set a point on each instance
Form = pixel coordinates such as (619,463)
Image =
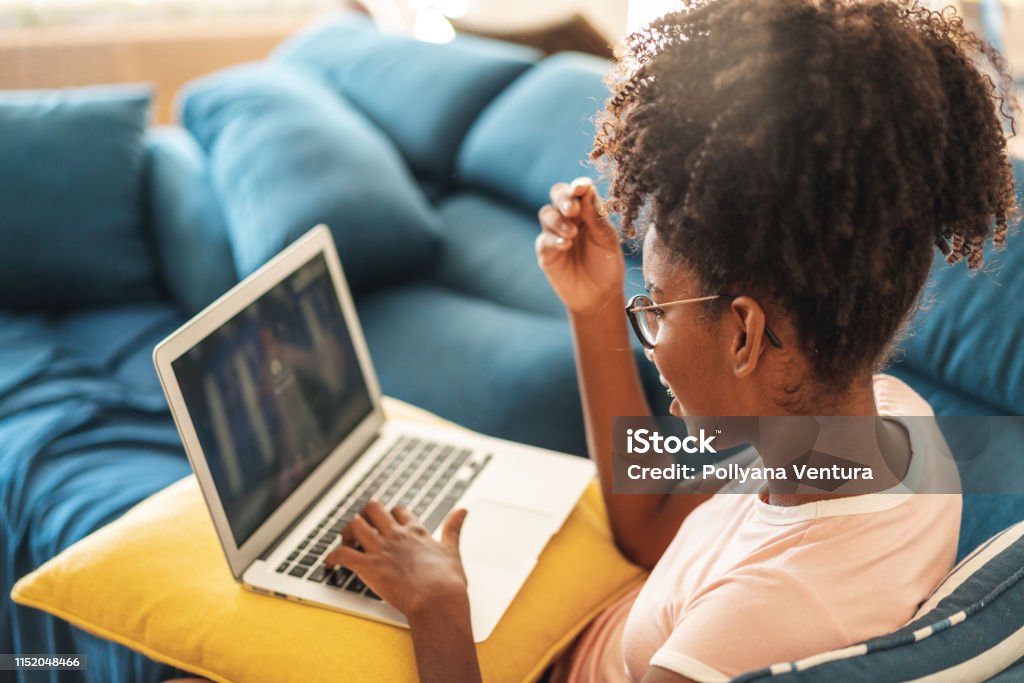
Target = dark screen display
(272,392)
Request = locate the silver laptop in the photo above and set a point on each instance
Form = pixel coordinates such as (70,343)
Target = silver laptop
(278,406)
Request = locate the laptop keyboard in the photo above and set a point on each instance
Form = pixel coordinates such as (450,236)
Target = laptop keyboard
(427,477)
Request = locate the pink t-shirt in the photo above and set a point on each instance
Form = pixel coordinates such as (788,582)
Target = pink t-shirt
(745,584)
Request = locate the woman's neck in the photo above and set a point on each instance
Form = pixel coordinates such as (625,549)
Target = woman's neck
(852,435)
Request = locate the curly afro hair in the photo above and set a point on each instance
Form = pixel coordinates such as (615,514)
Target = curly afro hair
(813,153)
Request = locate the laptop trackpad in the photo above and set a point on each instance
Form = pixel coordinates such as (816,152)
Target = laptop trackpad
(503,535)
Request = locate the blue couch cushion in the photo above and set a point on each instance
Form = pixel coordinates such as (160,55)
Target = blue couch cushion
(501,267)
(984,512)
(423,95)
(539,131)
(286,153)
(970,629)
(71,188)
(968,339)
(188,223)
(476,352)
(943,399)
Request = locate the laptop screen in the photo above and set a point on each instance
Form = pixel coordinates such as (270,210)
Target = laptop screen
(272,392)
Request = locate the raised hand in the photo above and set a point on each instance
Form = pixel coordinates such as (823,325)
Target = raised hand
(578,250)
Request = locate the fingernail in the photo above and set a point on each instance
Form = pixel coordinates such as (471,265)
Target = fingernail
(560,241)
(566,206)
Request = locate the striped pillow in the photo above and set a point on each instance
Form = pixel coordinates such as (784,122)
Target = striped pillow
(969,629)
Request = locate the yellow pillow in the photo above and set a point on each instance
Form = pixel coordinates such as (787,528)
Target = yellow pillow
(156,581)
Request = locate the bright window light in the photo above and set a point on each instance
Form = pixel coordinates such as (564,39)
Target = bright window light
(643,11)
(433,27)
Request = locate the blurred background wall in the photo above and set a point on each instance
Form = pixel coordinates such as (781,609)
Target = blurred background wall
(54,43)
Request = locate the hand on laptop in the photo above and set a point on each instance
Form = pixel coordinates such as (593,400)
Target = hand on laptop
(400,561)
(578,249)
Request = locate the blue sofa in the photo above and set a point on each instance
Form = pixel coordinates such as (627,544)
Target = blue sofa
(429,163)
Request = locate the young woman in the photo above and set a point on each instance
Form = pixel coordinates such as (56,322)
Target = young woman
(790,164)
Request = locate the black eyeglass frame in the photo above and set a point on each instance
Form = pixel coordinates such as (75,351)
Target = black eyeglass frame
(632,308)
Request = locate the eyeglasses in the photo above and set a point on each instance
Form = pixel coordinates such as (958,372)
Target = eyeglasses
(645,317)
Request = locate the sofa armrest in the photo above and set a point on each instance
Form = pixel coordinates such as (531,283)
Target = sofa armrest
(188,227)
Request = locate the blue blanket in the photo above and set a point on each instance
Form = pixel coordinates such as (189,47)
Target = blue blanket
(84,435)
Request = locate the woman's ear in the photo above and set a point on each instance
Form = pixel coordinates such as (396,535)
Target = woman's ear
(748,337)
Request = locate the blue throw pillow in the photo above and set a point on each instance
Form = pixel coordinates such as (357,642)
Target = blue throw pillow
(423,95)
(537,132)
(188,222)
(71,188)
(286,153)
(970,629)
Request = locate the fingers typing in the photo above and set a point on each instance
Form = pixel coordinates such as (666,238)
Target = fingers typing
(402,514)
(376,514)
(364,534)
